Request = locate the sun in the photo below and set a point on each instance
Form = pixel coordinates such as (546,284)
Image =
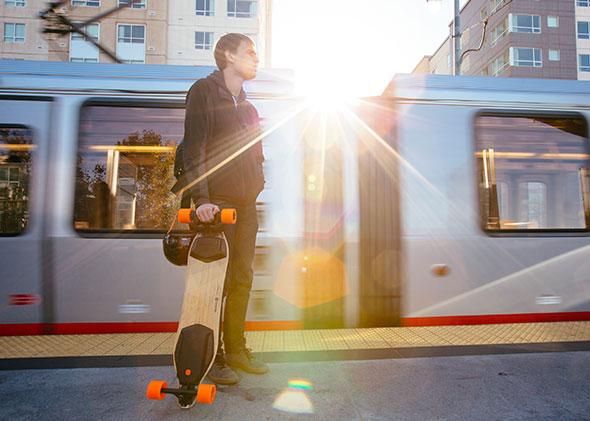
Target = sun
(322,90)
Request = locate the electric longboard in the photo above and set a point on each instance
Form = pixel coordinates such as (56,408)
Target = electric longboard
(198,329)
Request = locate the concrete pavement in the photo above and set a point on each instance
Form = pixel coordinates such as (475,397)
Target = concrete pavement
(487,387)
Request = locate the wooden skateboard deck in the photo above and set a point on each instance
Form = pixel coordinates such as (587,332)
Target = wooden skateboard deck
(197,336)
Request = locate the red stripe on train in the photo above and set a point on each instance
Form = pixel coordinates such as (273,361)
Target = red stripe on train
(24,299)
(148,327)
(490,319)
(137,327)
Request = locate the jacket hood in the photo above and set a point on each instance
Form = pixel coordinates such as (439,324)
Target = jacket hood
(217,78)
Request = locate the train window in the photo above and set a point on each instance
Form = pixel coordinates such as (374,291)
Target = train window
(16,146)
(261,214)
(125,167)
(533,172)
(262,260)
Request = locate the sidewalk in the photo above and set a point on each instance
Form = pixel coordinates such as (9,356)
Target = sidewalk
(511,386)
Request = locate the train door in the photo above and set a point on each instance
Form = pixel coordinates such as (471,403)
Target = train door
(110,272)
(379,221)
(24,132)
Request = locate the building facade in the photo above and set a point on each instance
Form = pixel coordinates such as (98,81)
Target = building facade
(194,26)
(21,36)
(523,38)
(150,31)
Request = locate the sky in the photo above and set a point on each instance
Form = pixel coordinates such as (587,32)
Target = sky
(354,47)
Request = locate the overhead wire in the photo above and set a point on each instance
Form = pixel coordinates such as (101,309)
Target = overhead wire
(485,24)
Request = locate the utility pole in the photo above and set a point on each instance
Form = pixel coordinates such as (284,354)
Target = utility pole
(456,38)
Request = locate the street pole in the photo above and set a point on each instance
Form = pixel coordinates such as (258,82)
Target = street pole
(457,39)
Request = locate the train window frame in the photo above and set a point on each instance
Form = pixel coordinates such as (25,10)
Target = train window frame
(27,227)
(118,102)
(538,232)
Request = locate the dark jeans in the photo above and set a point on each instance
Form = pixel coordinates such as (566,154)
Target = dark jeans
(241,239)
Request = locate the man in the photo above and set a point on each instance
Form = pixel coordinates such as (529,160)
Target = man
(219,121)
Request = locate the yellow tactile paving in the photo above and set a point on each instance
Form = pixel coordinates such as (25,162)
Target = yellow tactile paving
(300,340)
(334,339)
(273,341)
(314,341)
(167,344)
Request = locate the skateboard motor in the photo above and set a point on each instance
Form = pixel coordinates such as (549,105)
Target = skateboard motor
(176,247)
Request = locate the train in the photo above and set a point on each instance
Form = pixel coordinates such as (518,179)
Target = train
(444,200)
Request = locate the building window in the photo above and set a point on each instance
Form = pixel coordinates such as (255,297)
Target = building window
(533,172)
(131,34)
(465,35)
(483,13)
(583,30)
(465,65)
(242,8)
(584,62)
(15,3)
(205,7)
(125,167)
(500,63)
(16,154)
(83,51)
(203,40)
(495,5)
(83,60)
(131,44)
(525,23)
(553,21)
(499,31)
(554,55)
(89,3)
(135,4)
(91,29)
(14,32)
(525,57)
(583,3)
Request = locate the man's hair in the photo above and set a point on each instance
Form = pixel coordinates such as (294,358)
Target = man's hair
(228,42)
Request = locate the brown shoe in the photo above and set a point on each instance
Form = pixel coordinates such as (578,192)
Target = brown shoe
(220,373)
(246,361)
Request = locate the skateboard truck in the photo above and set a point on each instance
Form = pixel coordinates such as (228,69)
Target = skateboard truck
(186,394)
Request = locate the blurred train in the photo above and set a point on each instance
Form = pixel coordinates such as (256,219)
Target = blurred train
(443,201)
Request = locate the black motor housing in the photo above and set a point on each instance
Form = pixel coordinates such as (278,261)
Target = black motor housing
(193,354)
(177,246)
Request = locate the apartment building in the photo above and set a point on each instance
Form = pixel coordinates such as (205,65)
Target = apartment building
(21,37)
(150,31)
(523,38)
(136,34)
(583,38)
(195,25)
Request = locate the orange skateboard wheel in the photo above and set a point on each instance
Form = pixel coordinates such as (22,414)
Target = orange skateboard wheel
(206,393)
(184,215)
(228,216)
(154,390)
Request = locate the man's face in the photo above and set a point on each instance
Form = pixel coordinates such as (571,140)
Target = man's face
(245,60)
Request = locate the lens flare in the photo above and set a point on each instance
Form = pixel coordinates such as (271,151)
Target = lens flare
(294,399)
(300,384)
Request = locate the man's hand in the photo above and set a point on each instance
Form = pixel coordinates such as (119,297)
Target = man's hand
(206,212)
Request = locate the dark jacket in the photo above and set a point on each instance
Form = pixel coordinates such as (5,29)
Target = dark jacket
(215,128)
